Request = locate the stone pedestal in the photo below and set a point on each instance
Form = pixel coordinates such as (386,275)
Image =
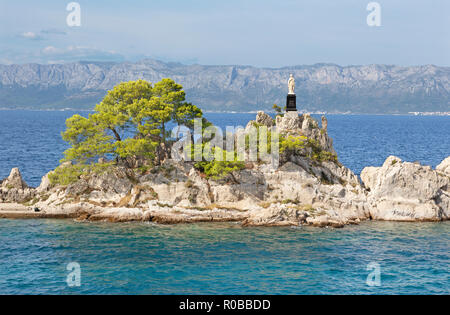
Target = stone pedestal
(291,121)
(291,103)
(292,114)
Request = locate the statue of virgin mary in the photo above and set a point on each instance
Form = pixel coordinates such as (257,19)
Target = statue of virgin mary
(291,84)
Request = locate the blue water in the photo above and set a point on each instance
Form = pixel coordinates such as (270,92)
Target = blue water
(31,140)
(140,258)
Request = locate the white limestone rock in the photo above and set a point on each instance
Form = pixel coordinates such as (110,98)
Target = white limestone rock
(45,185)
(14,180)
(309,123)
(264,119)
(116,181)
(14,189)
(404,191)
(291,121)
(276,215)
(444,167)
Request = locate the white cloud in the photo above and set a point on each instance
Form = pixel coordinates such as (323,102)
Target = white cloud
(60,55)
(49,50)
(30,35)
(51,54)
(54,31)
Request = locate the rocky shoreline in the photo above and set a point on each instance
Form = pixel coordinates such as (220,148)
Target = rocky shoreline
(302,191)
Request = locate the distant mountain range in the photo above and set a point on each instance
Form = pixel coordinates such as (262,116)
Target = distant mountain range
(321,87)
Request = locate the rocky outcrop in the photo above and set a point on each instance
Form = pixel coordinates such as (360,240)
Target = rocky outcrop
(290,122)
(117,181)
(45,184)
(324,124)
(404,191)
(444,167)
(304,190)
(14,180)
(264,119)
(304,125)
(14,189)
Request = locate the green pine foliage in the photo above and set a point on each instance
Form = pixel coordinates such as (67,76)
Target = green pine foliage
(131,124)
(217,170)
(318,154)
(278,110)
(131,121)
(292,143)
(66,175)
(304,145)
(215,163)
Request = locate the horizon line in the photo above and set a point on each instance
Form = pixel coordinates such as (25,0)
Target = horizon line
(221,65)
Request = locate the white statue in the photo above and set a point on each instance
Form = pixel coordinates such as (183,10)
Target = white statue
(291,84)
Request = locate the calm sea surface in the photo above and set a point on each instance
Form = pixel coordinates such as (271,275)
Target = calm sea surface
(138,258)
(225,258)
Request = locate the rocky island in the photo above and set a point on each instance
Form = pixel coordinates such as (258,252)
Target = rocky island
(309,187)
(302,191)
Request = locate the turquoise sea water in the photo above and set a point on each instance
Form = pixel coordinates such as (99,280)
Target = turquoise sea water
(138,258)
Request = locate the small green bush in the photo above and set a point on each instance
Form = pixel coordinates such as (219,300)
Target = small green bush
(215,169)
(318,154)
(219,169)
(324,156)
(292,143)
(66,175)
(279,110)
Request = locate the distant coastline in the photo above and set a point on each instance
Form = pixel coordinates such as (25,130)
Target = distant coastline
(430,113)
(330,88)
(244,112)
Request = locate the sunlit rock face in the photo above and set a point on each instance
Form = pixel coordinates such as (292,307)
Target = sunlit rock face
(404,191)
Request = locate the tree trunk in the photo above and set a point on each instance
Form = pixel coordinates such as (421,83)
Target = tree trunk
(116,134)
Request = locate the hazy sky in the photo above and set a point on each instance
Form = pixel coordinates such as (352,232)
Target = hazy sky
(268,33)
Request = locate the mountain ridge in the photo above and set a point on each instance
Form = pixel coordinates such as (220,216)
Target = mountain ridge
(325,87)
